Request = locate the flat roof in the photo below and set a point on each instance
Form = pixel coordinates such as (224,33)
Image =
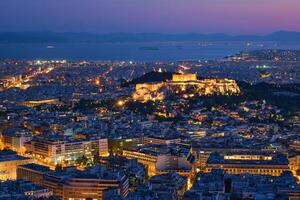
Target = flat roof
(277,159)
(36,167)
(10,155)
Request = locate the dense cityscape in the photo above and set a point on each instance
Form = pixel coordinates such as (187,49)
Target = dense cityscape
(207,129)
(149,100)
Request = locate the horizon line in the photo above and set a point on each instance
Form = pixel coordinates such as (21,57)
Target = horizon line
(161,33)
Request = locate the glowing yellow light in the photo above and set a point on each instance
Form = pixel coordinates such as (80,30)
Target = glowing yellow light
(183,88)
(97,82)
(189,183)
(120,103)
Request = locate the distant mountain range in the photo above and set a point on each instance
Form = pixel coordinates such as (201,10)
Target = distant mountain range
(69,37)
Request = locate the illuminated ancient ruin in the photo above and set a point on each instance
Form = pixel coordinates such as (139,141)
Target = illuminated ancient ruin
(186,84)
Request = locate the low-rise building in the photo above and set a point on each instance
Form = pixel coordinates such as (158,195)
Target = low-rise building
(248,162)
(55,150)
(161,159)
(70,183)
(23,189)
(243,186)
(33,172)
(9,161)
(15,139)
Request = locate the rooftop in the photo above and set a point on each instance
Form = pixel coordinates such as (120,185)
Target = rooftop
(10,155)
(247,158)
(36,167)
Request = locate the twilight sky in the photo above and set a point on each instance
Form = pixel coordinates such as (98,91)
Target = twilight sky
(161,16)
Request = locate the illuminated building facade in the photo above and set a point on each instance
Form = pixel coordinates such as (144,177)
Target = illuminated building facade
(184,77)
(159,159)
(186,84)
(15,139)
(33,103)
(159,140)
(144,158)
(294,158)
(248,162)
(202,154)
(103,148)
(9,161)
(173,164)
(33,172)
(295,145)
(53,151)
(73,184)
(294,164)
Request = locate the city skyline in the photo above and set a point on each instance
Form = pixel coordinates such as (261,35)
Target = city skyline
(149,100)
(161,16)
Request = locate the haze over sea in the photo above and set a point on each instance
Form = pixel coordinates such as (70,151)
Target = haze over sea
(142,51)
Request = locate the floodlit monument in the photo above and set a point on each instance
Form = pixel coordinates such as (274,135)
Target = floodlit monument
(186,84)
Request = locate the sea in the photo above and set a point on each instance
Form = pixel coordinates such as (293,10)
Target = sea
(142,51)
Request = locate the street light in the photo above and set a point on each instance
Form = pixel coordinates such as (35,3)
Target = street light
(120,103)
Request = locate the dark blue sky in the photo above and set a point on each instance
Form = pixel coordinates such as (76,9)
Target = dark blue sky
(163,16)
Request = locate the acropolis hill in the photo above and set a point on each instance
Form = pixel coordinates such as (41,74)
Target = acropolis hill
(187,85)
